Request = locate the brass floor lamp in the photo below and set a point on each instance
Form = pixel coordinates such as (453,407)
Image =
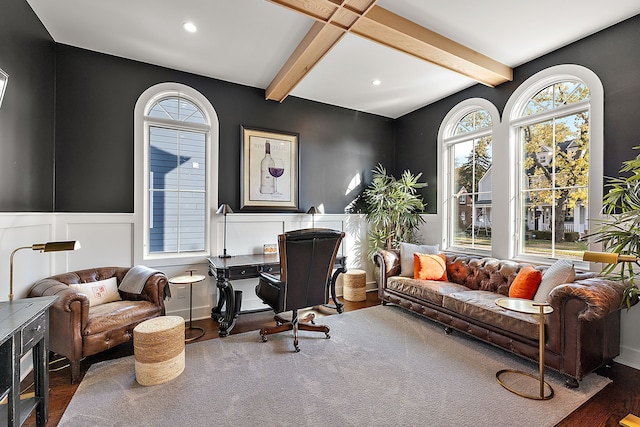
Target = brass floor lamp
(42,247)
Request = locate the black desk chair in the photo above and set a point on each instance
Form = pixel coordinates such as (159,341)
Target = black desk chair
(306,261)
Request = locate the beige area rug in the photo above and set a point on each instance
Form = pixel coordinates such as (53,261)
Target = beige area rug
(382,366)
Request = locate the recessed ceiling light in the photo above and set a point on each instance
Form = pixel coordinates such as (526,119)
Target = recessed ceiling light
(376,82)
(190,27)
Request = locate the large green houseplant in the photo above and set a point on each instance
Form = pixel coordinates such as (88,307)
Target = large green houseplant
(392,207)
(620,232)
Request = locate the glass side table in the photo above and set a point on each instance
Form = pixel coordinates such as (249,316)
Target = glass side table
(530,307)
(191,332)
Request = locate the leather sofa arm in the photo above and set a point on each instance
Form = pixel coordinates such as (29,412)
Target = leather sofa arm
(388,262)
(600,296)
(66,295)
(153,290)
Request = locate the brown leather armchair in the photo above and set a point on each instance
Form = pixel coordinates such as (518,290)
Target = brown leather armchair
(306,262)
(78,330)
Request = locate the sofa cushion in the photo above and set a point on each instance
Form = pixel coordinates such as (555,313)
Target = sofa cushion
(426,290)
(100,291)
(481,306)
(560,272)
(406,256)
(429,267)
(113,315)
(526,283)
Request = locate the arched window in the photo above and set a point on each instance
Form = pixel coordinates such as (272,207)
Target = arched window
(177,176)
(175,127)
(552,134)
(467,140)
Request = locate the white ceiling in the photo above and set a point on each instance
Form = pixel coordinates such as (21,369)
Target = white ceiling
(247,41)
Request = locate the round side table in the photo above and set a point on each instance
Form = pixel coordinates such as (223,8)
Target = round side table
(530,307)
(191,332)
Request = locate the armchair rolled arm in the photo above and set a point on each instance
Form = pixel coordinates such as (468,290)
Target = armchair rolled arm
(601,296)
(66,295)
(153,290)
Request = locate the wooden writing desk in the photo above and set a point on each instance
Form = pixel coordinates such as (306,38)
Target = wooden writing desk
(245,267)
(24,326)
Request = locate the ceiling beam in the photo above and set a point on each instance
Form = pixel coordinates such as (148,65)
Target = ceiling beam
(399,33)
(316,44)
(334,18)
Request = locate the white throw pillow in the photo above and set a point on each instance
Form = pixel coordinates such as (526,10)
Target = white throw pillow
(559,272)
(406,256)
(100,292)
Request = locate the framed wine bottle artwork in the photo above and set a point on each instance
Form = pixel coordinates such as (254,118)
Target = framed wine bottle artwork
(268,170)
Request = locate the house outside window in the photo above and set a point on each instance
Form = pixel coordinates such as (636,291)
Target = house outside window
(177,176)
(176,158)
(543,190)
(553,141)
(468,141)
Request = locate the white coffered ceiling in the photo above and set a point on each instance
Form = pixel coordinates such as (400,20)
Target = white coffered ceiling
(248,41)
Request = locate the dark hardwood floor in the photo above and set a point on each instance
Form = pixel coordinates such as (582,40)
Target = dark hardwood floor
(607,408)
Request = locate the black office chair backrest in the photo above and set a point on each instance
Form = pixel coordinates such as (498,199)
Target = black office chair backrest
(306,262)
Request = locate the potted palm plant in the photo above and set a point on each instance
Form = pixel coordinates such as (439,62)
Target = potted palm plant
(392,207)
(620,232)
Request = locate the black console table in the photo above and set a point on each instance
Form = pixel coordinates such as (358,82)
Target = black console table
(246,267)
(24,326)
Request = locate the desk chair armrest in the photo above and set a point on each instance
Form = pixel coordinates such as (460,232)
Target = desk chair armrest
(269,290)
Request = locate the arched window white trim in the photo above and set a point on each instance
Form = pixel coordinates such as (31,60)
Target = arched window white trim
(513,118)
(141,170)
(446,139)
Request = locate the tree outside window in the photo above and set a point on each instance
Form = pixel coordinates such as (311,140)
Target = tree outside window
(555,171)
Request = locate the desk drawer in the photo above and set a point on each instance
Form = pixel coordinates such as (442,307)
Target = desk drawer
(271,268)
(243,272)
(33,332)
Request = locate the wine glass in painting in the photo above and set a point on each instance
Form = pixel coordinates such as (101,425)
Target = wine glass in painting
(276,170)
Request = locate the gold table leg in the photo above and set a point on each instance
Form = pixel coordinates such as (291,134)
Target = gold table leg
(543,383)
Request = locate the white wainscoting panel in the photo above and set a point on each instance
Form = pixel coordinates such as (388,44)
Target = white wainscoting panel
(103,245)
(28,266)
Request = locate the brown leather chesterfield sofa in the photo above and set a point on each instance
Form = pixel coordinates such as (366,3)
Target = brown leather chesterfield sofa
(77,330)
(582,333)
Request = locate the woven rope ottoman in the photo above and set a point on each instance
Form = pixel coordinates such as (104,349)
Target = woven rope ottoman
(158,347)
(354,284)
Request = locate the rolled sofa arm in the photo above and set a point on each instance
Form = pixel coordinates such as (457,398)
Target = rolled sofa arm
(66,295)
(600,295)
(388,262)
(153,290)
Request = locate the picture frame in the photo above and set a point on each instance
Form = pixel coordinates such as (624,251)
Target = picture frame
(269,170)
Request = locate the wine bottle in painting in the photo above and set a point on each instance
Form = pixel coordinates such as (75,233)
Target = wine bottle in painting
(266,179)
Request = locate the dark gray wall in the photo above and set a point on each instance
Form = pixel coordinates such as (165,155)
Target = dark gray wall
(96,95)
(27,112)
(78,105)
(613,54)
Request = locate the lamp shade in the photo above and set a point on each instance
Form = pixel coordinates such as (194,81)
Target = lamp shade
(224,209)
(607,257)
(70,245)
(312,210)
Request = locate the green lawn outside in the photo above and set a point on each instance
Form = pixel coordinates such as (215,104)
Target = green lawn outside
(572,250)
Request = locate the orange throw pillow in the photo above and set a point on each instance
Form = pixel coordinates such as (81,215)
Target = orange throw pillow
(429,267)
(526,283)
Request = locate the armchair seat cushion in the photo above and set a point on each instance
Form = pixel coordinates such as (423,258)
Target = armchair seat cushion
(109,316)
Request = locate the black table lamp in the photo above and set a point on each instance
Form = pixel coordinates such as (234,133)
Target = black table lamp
(313,211)
(224,209)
